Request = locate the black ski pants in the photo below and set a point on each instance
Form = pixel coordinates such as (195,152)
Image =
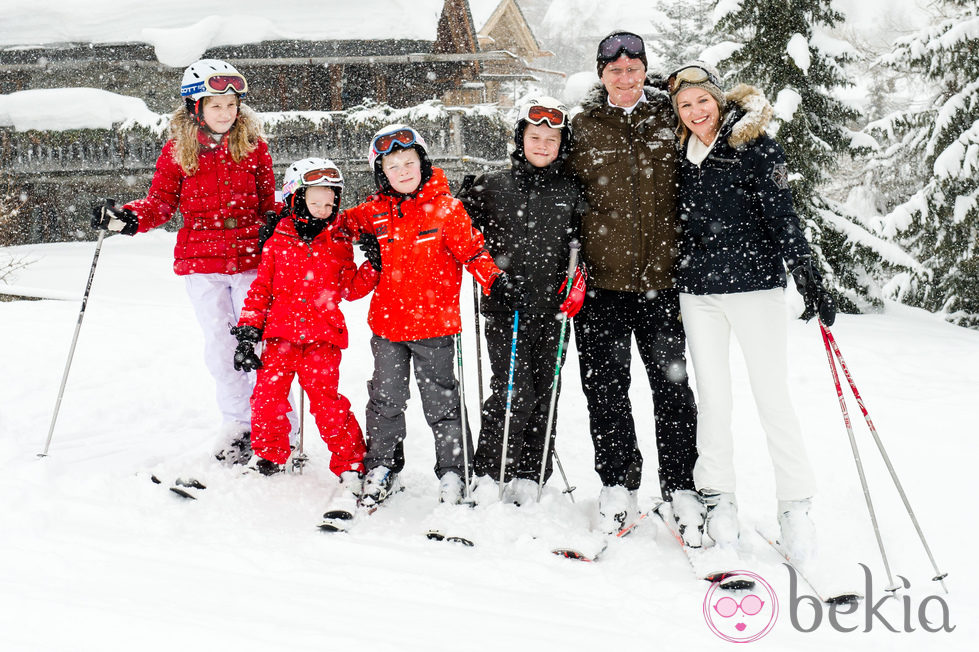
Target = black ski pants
(537,344)
(603,331)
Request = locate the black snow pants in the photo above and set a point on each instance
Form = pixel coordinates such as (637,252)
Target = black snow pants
(537,344)
(603,332)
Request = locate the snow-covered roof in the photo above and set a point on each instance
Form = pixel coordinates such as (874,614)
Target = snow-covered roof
(482,10)
(181,30)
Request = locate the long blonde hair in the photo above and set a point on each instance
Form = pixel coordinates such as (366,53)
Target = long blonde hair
(243,138)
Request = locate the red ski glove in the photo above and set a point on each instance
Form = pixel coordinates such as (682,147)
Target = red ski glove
(576,297)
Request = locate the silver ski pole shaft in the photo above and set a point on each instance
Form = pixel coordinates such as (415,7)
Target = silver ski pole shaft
(856,458)
(564,476)
(462,421)
(299,461)
(509,400)
(939,575)
(572,267)
(74,341)
(479,348)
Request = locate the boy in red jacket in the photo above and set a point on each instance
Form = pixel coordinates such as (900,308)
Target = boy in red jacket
(418,237)
(307,268)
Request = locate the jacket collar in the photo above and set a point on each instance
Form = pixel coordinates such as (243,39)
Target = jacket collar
(596,99)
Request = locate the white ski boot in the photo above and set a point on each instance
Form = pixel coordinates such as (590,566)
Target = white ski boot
(721,520)
(343,507)
(798,538)
(379,483)
(485,490)
(451,488)
(688,511)
(520,491)
(617,508)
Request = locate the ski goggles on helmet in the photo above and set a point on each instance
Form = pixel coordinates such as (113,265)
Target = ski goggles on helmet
(218,84)
(538,114)
(384,143)
(323,174)
(750,605)
(690,75)
(613,46)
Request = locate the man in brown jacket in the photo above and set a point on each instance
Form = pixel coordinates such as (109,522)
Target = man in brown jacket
(624,155)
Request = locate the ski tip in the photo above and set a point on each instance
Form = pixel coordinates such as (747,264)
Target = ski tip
(843,598)
(436,535)
(327,526)
(569,553)
(338,514)
(183,493)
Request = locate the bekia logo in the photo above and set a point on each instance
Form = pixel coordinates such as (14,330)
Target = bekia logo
(741,616)
(744,616)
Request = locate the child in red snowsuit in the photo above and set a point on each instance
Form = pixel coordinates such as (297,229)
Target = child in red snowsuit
(307,268)
(419,238)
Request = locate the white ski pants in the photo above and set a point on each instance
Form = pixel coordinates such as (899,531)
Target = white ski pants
(758,321)
(217,300)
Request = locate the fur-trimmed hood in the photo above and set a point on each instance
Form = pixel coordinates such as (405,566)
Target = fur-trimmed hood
(748,114)
(597,96)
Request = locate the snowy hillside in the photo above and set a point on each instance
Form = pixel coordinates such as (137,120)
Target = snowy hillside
(94,556)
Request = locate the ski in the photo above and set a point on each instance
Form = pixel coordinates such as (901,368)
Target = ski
(337,520)
(808,574)
(578,555)
(182,486)
(710,564)
(438,535)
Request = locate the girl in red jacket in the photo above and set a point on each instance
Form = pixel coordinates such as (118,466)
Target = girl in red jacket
(307,268)
(418,237)
(217,171)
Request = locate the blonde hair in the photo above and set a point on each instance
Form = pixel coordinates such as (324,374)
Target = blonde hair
(243,137)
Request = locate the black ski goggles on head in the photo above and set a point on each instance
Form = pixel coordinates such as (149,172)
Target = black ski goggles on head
(690,75)
(613,46)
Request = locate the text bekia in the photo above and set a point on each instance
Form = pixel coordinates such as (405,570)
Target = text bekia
(872,609)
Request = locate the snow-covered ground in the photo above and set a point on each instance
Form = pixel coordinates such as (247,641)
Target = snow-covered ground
(94,556)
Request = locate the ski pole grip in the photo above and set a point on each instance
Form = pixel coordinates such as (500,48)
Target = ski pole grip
(574,246)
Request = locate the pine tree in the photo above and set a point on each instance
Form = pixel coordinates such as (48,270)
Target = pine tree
(939,221)
(686,31)
(785,51)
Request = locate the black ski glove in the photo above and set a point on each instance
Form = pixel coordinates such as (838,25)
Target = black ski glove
(508,291)
(372,249)
(245,358)
(107,217)
(810,285)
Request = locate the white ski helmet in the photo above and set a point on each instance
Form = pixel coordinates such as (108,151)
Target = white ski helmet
(210,77)
(391,136)
(312,172)
(544,110)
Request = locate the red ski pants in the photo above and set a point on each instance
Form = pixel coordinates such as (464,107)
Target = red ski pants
(318,367)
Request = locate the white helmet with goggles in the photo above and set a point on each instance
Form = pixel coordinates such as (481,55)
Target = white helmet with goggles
(209,77)
(311,172)
(544,110)
(391,137)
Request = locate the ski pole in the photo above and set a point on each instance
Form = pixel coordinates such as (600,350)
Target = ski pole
(560,467)
(463,422)
(299,461)
(479,348)
(856,458)
(509,399)
(828,337)
(74,341)
(572,267)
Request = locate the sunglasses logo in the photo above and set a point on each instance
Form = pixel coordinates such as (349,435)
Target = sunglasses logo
(741,616)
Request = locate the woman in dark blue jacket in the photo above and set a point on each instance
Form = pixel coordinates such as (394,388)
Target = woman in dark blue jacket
(739,231)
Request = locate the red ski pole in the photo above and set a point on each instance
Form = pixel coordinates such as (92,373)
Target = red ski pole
(830,343)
